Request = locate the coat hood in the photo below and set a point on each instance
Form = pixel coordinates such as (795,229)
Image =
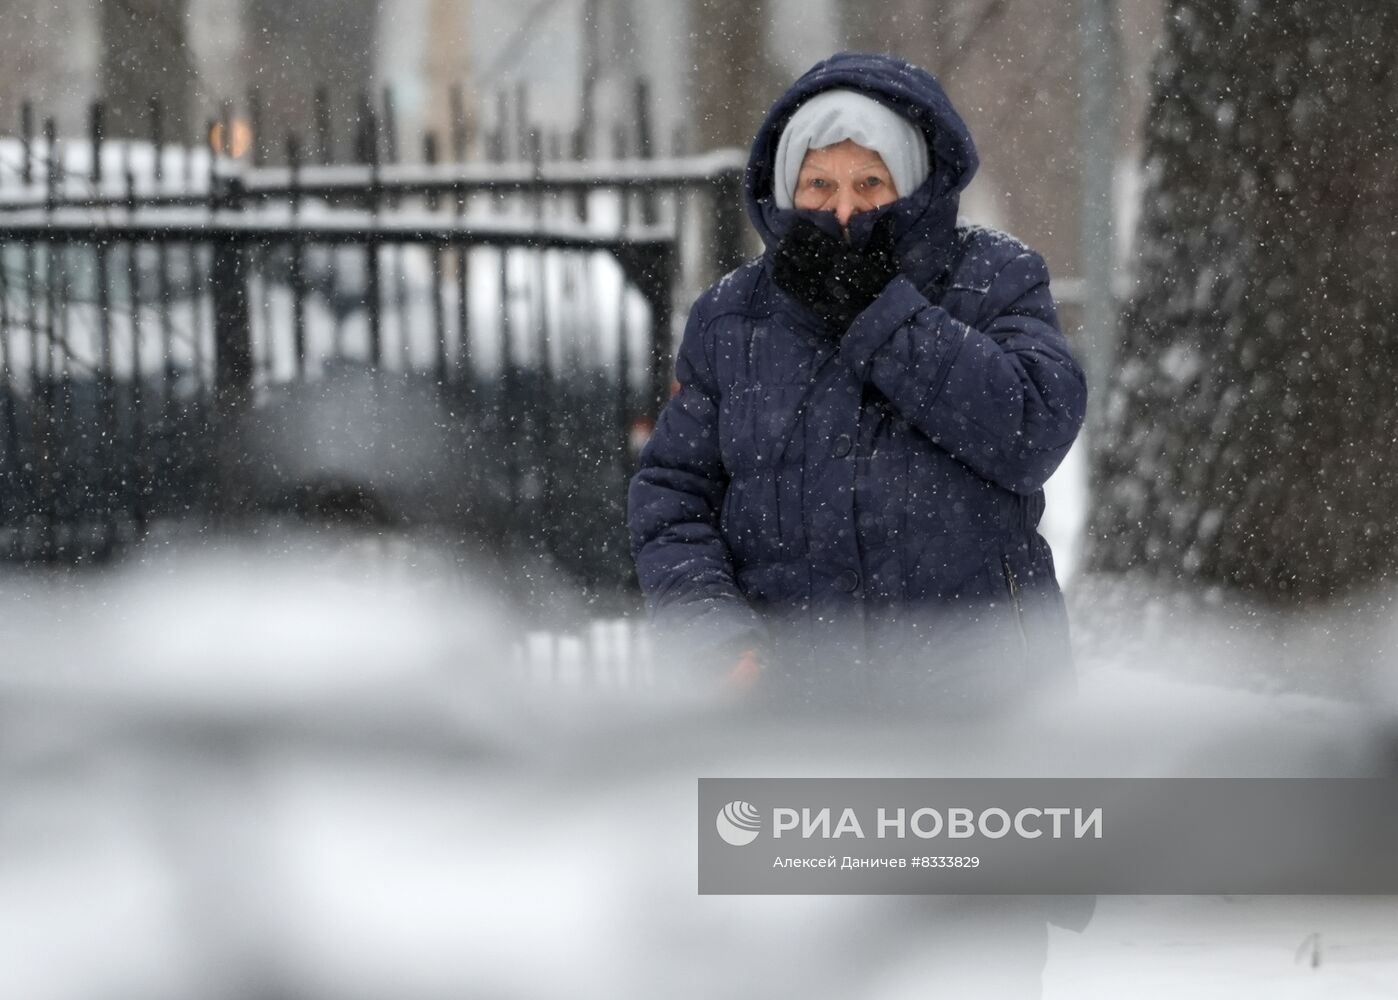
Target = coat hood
(925,217)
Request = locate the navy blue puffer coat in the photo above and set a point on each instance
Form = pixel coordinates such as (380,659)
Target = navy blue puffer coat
(869,504)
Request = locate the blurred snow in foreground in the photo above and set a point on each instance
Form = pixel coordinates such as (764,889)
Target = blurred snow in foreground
(314,767)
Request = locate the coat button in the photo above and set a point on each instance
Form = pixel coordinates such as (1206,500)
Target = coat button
(843,445)
(848,581)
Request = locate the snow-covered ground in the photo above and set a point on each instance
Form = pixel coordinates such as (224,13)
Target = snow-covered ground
(313,767)
(1207,947)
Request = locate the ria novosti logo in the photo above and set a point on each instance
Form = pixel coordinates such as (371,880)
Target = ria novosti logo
(738,823)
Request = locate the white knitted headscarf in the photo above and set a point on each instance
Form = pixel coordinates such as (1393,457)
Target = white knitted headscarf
(832,116)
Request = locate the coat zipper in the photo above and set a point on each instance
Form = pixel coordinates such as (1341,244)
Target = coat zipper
(1014,600)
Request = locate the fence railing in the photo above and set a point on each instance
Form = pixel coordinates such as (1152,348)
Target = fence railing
(167,314)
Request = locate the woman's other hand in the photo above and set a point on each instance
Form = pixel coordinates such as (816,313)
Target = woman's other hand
(742,661)
(743,675)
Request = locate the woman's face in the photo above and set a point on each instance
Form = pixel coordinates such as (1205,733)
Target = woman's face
(844,178)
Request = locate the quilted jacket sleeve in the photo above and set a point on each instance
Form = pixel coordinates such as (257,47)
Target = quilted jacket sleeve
(1005,397)
(683,562)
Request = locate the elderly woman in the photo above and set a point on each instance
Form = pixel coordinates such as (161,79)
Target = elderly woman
(842,498)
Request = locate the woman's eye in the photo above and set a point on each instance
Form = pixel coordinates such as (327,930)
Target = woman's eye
(873,181)
(816,182)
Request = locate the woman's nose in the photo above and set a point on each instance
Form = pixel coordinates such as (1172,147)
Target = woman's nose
(845,207)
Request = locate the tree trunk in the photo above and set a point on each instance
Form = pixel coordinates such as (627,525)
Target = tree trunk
(146,54)
(732,80)
(1250,428)
(298,46)
(915,30)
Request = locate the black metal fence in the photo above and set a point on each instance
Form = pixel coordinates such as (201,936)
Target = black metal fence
(480,345)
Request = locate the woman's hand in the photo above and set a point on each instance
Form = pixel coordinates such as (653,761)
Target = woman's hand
(742,676)
(742,661)
(833,279)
